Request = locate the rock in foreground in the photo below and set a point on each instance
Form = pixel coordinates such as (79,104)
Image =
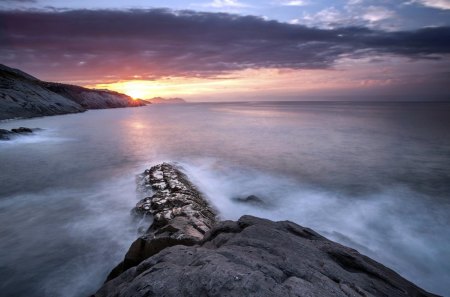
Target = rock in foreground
(7,135)
(180,214)
(250,257)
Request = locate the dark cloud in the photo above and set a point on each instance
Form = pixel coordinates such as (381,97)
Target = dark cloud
(18,1)
(160,42)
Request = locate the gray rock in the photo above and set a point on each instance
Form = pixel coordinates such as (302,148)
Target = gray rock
(257,257)
(7,135)
(252,199)
(250,257)
(22,130)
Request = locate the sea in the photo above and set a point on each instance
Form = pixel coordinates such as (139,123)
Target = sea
(373,176)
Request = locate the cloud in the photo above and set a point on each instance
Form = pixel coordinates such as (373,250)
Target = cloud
(439,4)
(154,43)
(294,3)
(355,13)
(225,4)
(19,1)
(354,2)
(377,13)
(328,18)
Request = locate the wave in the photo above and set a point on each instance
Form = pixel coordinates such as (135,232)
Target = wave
(396,226)
(47,135)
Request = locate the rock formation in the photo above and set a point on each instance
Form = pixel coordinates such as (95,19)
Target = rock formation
(181,255)
(7,135)
(22,95)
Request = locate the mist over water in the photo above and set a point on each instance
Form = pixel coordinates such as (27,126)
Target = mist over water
(374,176)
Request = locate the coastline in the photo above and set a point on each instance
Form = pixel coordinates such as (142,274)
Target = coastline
(24,96)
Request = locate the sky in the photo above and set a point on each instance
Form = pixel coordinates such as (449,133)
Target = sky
(235,50)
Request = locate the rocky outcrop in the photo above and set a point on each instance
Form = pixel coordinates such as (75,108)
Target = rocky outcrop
(7,135)
(22,95)
(180,214)
(250,257)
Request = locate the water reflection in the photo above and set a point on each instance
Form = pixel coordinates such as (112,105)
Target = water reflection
(372,176)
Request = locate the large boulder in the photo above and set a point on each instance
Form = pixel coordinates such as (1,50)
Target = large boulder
(257,257)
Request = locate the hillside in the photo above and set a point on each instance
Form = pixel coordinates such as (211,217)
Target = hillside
(91,98)
(24,96)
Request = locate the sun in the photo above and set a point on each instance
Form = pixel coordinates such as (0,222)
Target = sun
(135,94)
(135,89)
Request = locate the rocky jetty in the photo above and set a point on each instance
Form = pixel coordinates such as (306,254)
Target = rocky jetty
(181,215)
(8,134)
(24,96)
(185,252)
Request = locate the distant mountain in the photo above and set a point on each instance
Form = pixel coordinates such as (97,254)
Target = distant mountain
(22,95)
(160,100)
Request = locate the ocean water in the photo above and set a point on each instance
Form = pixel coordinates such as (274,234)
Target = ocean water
(374,176)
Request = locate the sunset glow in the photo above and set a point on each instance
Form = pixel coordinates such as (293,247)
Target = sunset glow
(307,50)
(348,76)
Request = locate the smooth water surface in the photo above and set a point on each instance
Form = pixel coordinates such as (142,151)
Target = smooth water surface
(375,176)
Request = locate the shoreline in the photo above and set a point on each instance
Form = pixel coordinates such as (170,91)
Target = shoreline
(2,121)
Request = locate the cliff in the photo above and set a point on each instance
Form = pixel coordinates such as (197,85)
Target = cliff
(187,252)
(93,99)
(22,95)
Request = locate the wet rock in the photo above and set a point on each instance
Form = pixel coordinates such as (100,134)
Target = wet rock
(258,257)
(252,199)
(7,135)
(22,130)
(180,214)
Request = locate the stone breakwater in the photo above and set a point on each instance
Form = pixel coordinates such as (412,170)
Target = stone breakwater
(186,252)
(180,214)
